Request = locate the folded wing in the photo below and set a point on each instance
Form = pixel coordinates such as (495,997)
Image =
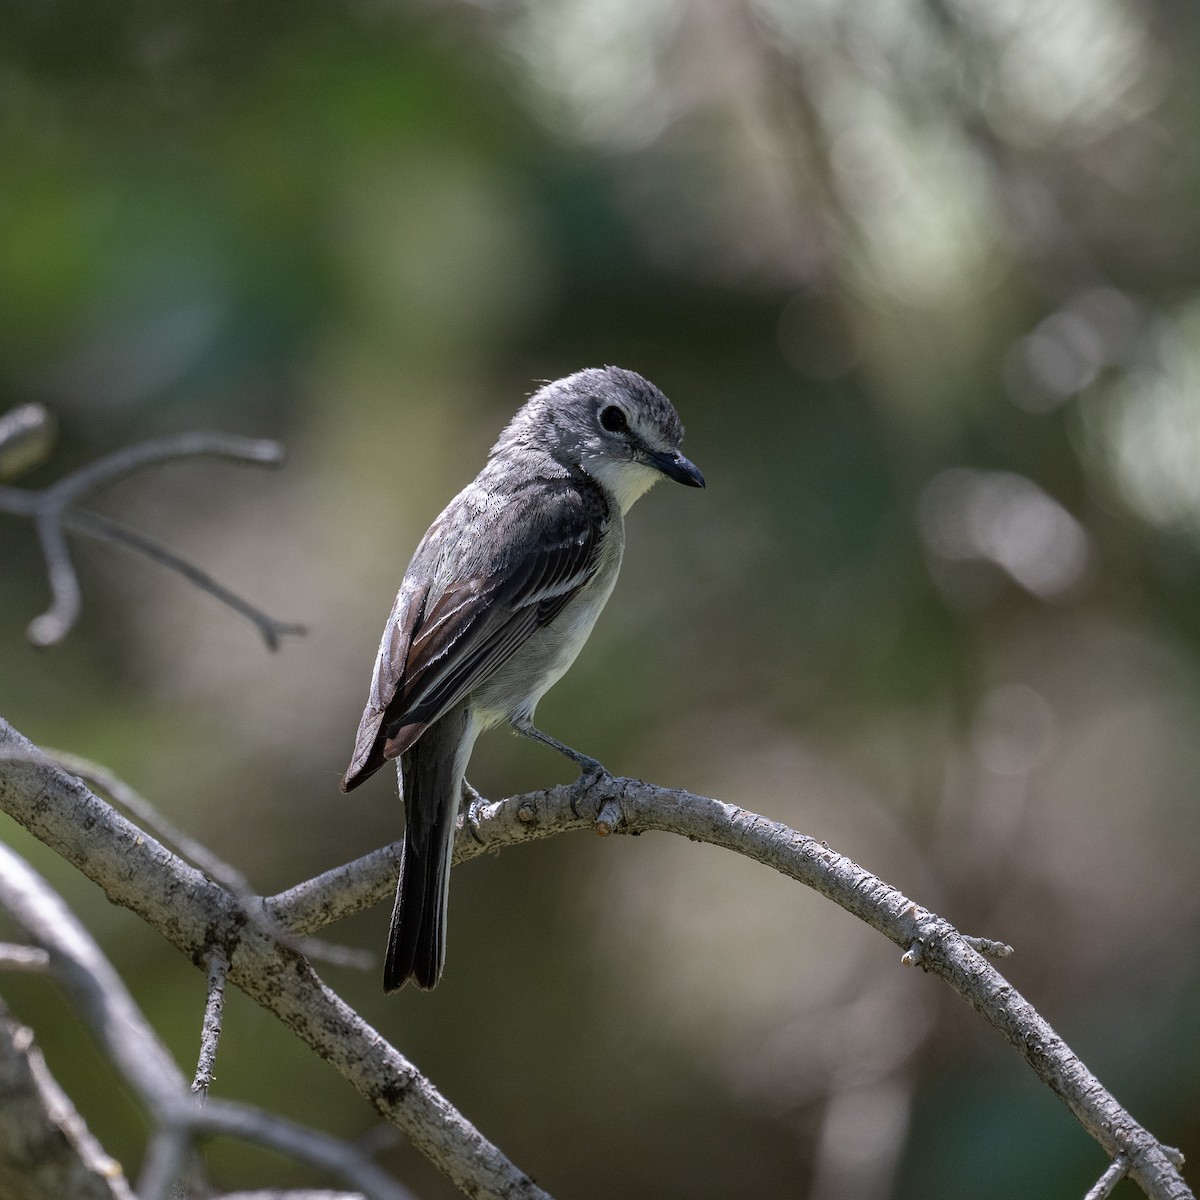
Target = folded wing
(437,648)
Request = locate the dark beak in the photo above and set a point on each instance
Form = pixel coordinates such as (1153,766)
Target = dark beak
(674,466)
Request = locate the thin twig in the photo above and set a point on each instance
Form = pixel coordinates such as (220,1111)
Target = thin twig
(130,459)
(138,807)
(31,959)
(134,803)
(301,1143)
(52,508)
(135,871)
(26,438)
(133,1047)
(210,1030)
(66,599)
(95,525)
(43,1139)
(1112,1176)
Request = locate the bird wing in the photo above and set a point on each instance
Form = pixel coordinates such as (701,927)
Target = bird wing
(389,669)
(437,648)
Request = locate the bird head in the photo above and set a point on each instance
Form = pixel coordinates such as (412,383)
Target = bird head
(613,424)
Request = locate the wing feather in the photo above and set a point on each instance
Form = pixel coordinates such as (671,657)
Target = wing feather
(390,664)
(437,648)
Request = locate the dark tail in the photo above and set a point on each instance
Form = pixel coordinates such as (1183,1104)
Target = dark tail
(432,779)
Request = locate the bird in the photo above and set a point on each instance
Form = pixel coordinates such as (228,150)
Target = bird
(498,599)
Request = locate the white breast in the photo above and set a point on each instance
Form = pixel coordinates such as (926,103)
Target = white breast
(542,661)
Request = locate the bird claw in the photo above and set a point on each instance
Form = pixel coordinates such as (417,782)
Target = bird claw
(591,772)
(471,817)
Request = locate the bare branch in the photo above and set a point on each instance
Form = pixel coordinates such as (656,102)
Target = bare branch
(91,982)
(188,910)
(104,528)
(304,1145)
(133,802)
(1109,1180)
(26,433)
(210,1032)
(138,457)
(46,1150)
(345,890)
(930,941)
(26,439)
(135,1050)
(192,912)
(66,600)
(23,958)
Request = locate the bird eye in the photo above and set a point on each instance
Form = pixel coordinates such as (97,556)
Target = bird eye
(613,419)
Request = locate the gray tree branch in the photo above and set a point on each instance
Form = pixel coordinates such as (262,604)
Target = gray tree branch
(150,819)
(305,1194)
(178,1119)
(187,908)
(194,914)
(46,1150)
(25,436)
(631,806)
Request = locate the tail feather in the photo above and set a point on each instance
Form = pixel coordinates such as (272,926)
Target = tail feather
(417,941)
(432,774)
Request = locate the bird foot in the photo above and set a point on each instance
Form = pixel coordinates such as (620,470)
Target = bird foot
(471,818)
(591,772)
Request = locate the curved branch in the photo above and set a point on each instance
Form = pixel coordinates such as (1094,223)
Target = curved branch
(631,806)
(61,812)
(138,457)
(46,1149)
(105,529)
(194,913)
(25,434)
(66,600)
(133,1047)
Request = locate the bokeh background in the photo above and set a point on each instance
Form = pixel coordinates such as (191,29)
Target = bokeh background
(923,279)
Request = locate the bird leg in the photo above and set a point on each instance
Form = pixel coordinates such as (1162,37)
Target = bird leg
(587,766)
(591,770)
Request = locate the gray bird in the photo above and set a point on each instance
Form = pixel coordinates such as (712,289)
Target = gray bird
(498,600)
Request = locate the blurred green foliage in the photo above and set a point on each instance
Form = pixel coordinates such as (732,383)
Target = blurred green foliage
(921,279)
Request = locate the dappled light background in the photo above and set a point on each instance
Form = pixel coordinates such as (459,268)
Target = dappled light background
(923,280)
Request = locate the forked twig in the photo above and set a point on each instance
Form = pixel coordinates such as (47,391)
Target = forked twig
(193,913)
(210,1030)
(178,1119)
(229,877)
(105,529)
(24,434)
